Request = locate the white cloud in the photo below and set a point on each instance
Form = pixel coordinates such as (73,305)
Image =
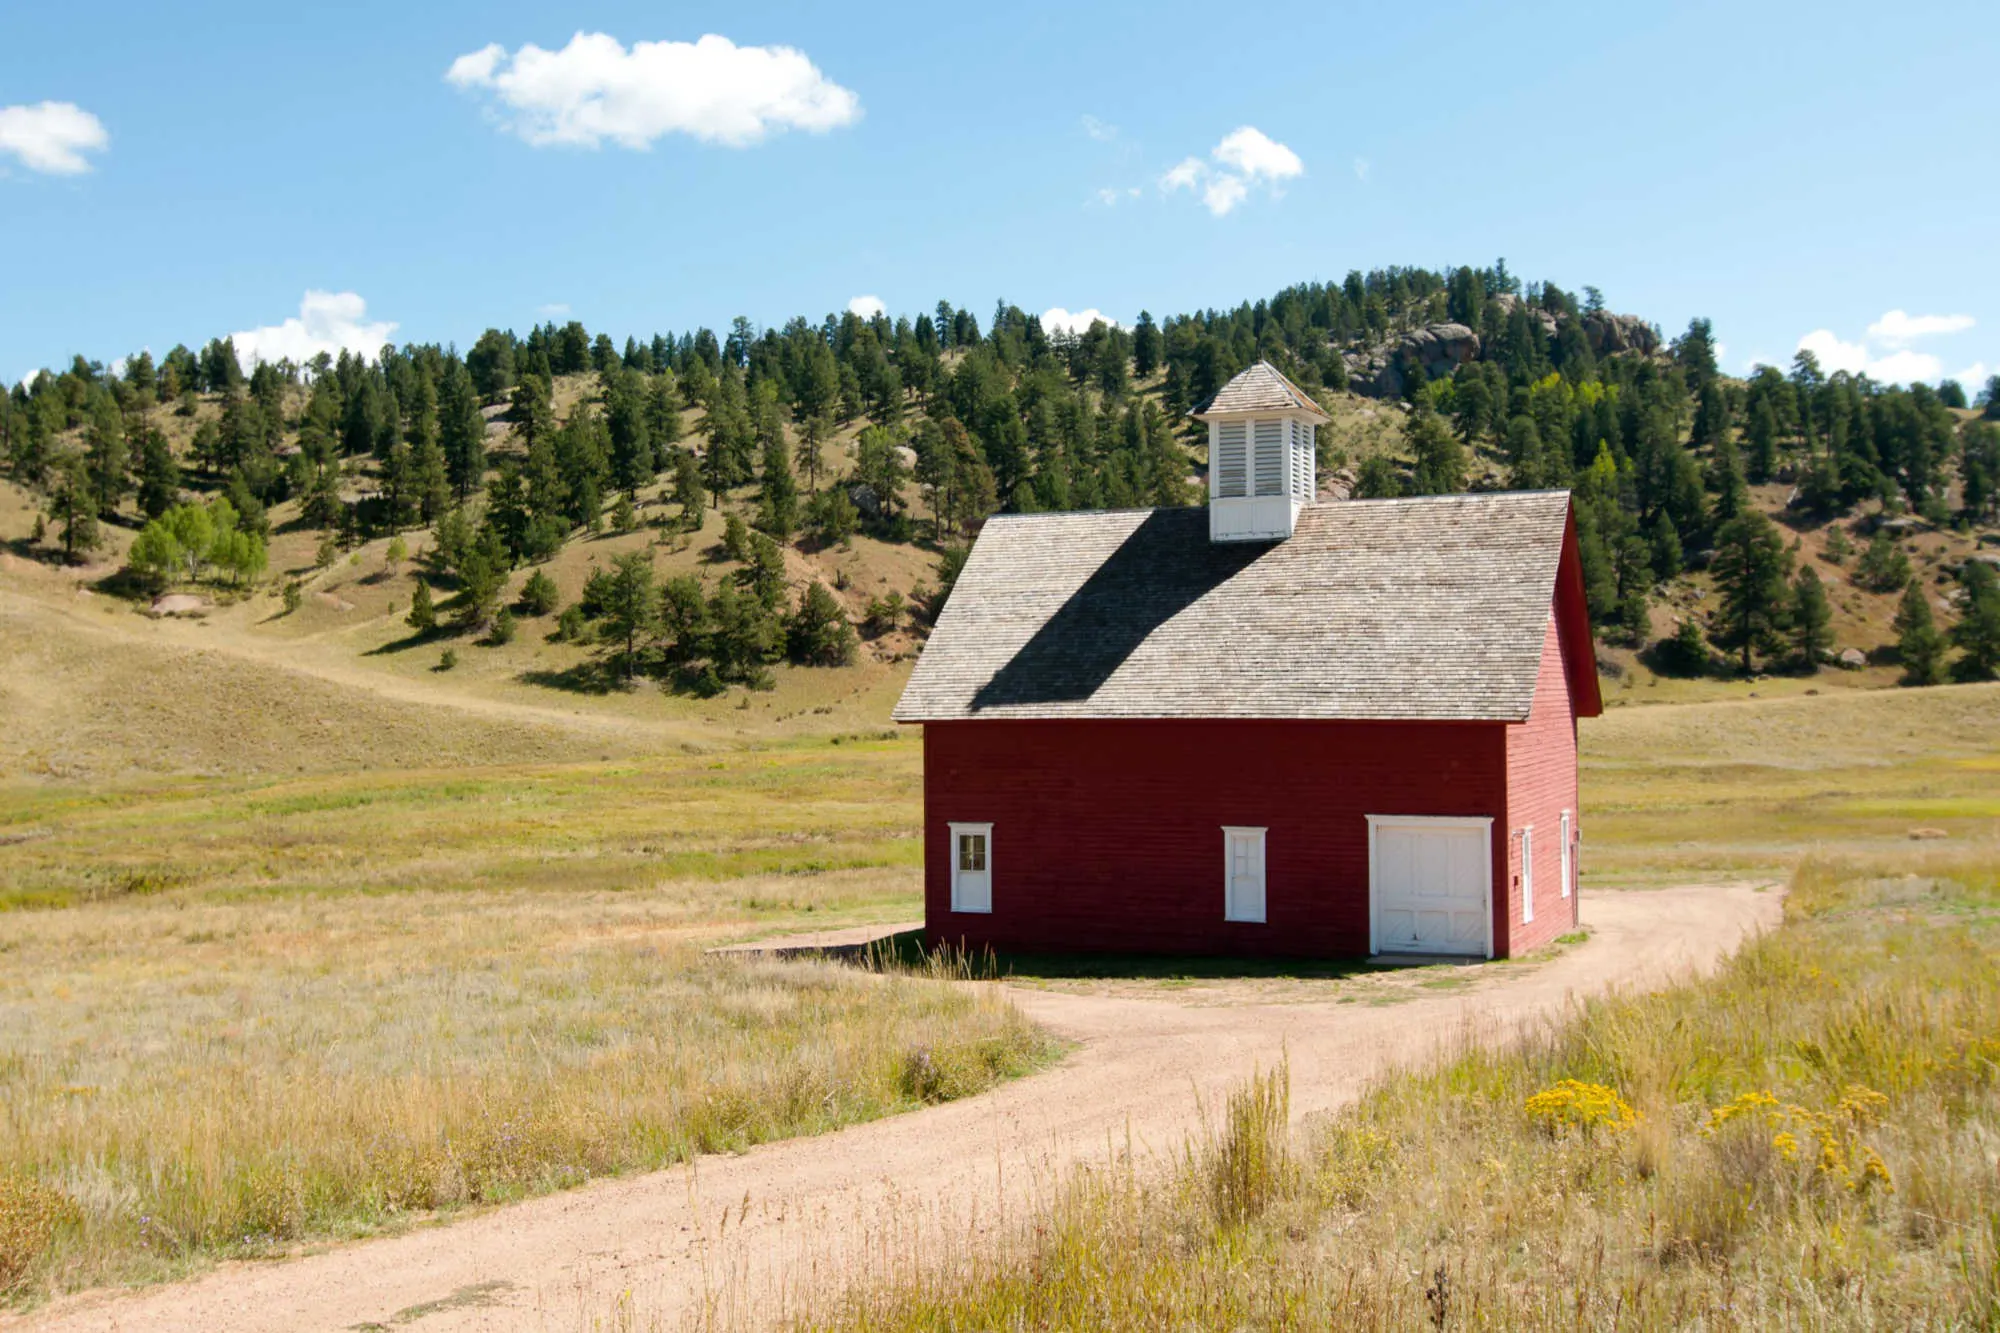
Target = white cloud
(327,322)
(1906,367)
(1362,166)
(1184,175)
(1110,196)
(52,137)
(868,307)
(1900,366)
(553,310)
(1099,130)
(1257,156)
(1833,354)
(1223,192)
(595,89)
(1973,377)
(1058,320)
(1899,326)
(1245,157)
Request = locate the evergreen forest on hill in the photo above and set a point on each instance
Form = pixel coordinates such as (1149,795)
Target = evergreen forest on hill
(1727,524)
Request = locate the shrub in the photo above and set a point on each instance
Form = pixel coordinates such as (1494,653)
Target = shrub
(503,628)
(31,1214)
(293,595)
(539,595)
(447,659)
(735,538)
(423,615)
(818,633)
(1570,1104)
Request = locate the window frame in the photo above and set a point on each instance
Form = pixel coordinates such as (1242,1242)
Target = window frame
(1568,849)
(1527,835)
(1231,832)
(960,830)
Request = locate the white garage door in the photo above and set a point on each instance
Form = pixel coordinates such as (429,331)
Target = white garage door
(1431,881)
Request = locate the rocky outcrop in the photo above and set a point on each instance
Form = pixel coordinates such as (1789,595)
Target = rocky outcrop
(1610,334)
(1386,369)
(1437,349)
(1506,301)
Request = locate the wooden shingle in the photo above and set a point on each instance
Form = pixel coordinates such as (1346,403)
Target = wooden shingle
(1429,608)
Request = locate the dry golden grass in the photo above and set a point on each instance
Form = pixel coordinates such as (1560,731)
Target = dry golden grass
(1805,1139)
(183,1079)
(1743,788)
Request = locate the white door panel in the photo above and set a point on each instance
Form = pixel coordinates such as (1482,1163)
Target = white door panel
(1430,890)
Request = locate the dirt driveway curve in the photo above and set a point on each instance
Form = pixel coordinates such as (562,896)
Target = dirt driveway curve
(745,1238)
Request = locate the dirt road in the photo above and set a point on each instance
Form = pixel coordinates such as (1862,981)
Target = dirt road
(745,1238)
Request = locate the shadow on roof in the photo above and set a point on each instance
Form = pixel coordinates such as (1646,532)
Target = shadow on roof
(1165,566)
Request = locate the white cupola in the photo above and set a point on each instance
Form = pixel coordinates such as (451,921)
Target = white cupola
(1262,464)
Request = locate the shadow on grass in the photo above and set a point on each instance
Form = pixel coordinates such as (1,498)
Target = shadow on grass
(417,639)
(583,678)
(907,952)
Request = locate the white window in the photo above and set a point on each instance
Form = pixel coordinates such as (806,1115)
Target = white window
(971,867)
(1231,461)
(1568,852)
(1242,874)
(1528,874)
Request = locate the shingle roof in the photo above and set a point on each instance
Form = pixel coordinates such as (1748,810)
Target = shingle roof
(1432,608)
(1262,388)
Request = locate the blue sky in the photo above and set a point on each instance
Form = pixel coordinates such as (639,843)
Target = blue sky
(1789,171)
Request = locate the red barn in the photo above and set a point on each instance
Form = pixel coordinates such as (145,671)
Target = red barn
(1271,727)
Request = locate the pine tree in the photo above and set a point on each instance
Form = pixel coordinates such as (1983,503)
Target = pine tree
(423,615)
(1750,567)
(1977,633)
(534,419)
(159,475)
(538,595)
(1883,565)
(683,620)
(743,636)
(109,456)
(461,430)
(73,504)
(1440,460)
(818,633)
(778,503)
(764,575)
(1917,639)
(689,493)
(1812,619)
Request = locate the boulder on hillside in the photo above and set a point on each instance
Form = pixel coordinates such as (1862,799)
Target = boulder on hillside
(1610,334)
(177,604)
(1507,301)
(1384,371)
(1852,659)
(862,496)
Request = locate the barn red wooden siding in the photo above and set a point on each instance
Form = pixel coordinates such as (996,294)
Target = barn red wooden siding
(1107,835)
(1541,784)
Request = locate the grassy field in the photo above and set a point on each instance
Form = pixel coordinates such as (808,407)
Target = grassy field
(1805,1139)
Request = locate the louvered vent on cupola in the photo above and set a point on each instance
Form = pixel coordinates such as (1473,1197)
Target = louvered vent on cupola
(1261,456)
